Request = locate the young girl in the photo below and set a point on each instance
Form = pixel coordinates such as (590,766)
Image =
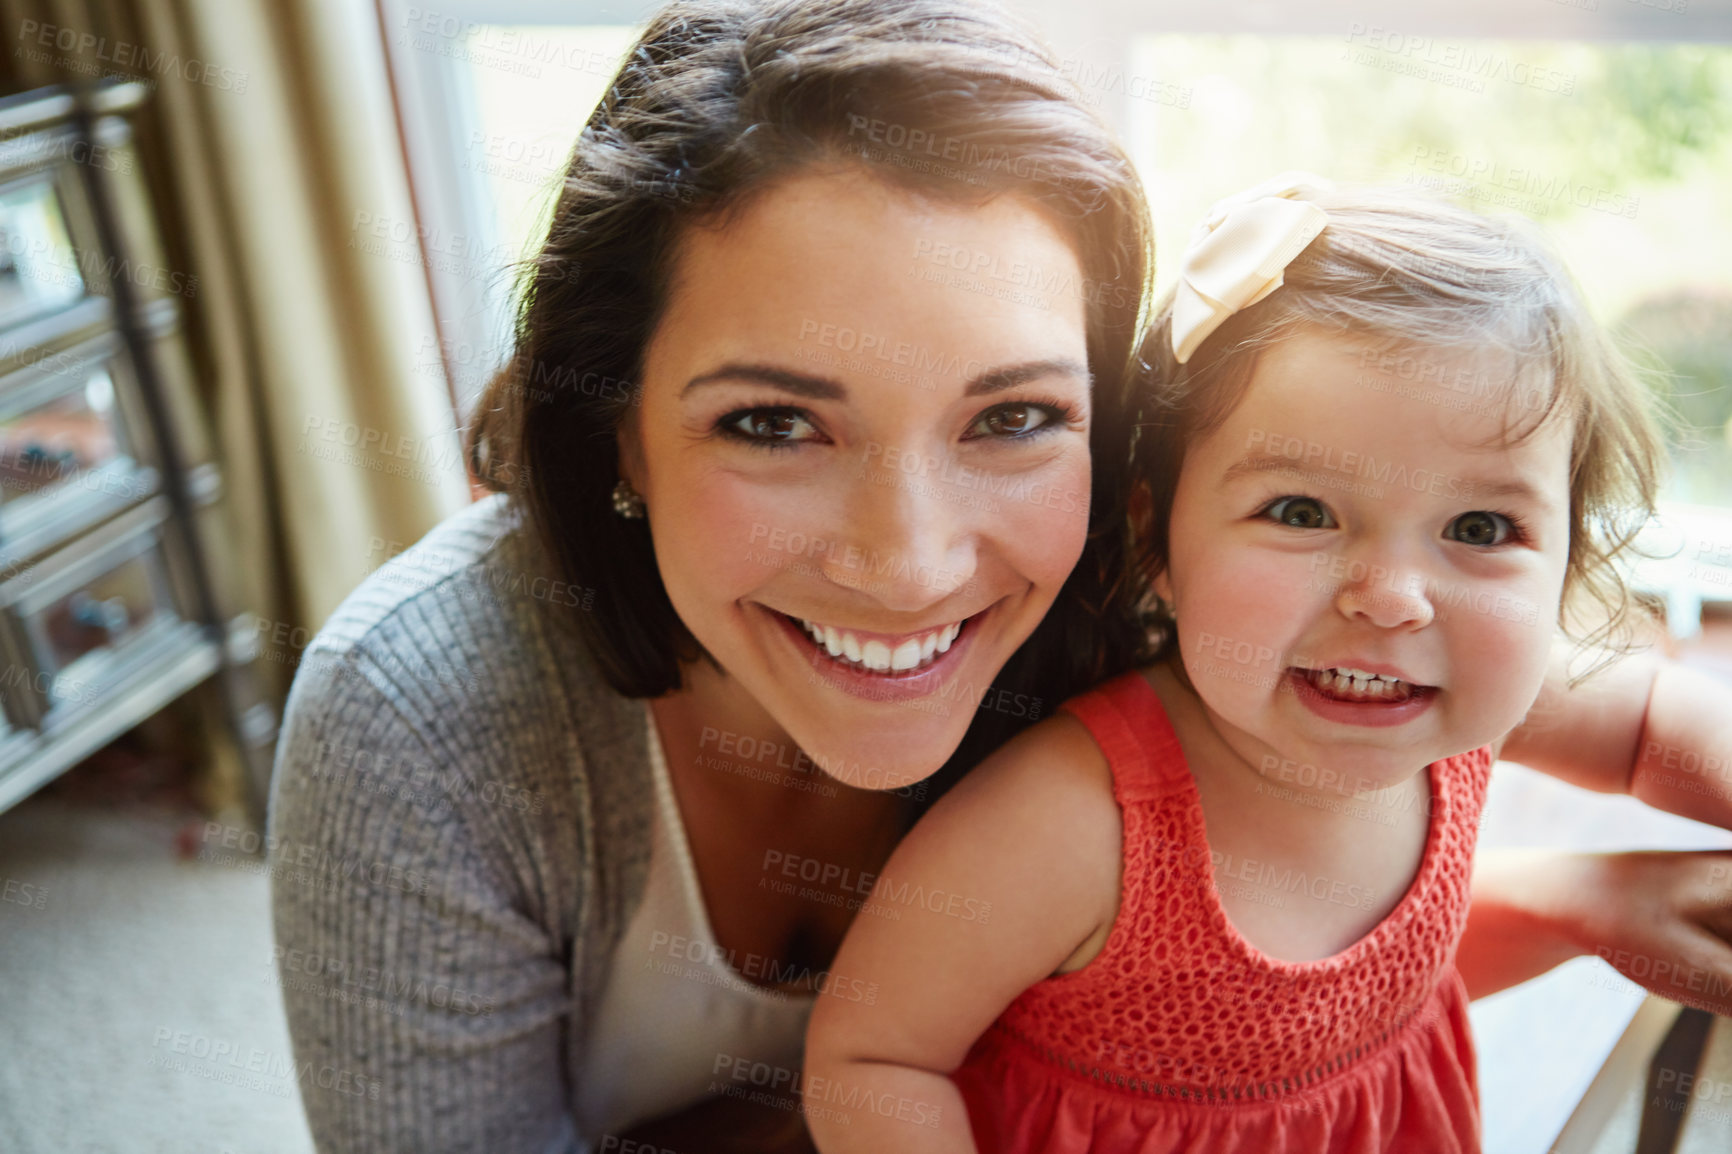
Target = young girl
(1388,456)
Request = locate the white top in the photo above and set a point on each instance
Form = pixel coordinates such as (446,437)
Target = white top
(675,1018)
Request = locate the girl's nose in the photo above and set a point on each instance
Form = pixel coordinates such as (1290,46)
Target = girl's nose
(1388,597)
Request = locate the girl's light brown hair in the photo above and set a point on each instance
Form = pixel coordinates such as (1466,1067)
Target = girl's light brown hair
(1406,273)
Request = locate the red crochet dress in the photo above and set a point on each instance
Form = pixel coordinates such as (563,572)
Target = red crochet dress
(1182,1036)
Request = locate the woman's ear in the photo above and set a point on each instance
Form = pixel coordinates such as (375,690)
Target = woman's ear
(630,449)
(1164,590)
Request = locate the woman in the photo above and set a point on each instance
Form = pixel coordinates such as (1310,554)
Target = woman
(810,463)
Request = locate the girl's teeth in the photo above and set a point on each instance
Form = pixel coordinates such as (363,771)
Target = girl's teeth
(1359,682)
(876,655)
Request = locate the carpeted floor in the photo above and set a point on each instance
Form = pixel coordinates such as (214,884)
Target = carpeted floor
(140,1011)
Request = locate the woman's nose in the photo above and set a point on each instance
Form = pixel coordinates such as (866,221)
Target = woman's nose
(910,534)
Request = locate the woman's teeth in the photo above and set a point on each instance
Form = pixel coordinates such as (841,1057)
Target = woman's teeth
(1358,685)
(875,655)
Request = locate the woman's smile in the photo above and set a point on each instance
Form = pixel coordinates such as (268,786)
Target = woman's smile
(882,652)
(885,667)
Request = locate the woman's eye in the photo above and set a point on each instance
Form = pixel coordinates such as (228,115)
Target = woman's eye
(1014,420)
(1300,513)
(1480,528)
(769,426)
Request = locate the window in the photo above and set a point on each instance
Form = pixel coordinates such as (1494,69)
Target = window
(492,97)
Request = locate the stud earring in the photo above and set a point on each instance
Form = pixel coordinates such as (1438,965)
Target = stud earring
(627,502)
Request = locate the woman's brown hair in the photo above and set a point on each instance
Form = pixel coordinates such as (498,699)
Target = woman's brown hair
(955,99)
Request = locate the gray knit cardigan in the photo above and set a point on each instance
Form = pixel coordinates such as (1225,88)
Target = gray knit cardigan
(459,831)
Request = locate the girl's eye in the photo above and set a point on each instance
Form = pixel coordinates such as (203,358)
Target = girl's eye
(772,428)
(1300,513)
(1017,419)
(1481,528)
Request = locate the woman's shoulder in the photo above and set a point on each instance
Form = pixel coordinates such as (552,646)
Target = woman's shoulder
(472,572)
(472,613)
(458,640)
(442,699)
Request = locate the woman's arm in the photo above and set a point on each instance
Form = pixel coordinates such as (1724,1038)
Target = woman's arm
(425,1007)
(1516,922)
(1663,733)
(1661,919)
(1026,852)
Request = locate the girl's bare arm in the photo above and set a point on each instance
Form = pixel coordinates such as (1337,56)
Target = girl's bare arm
(992,891)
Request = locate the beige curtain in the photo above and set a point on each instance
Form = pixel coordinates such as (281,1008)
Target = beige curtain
(272,150)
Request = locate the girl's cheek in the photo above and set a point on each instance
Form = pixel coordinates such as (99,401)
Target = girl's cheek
(1510,617)
(1271,589)
(1237,627)
(1512,643)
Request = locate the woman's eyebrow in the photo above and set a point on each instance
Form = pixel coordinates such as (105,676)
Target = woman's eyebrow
(801,384)
(1010,376)
(993,380)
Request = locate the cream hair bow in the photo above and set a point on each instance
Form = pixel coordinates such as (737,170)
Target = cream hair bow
(1237,256)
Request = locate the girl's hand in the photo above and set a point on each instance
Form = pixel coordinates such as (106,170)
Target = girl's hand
(1662,919)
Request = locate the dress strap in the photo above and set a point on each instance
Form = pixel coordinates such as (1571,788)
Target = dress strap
(1462,781)
(1126,719)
